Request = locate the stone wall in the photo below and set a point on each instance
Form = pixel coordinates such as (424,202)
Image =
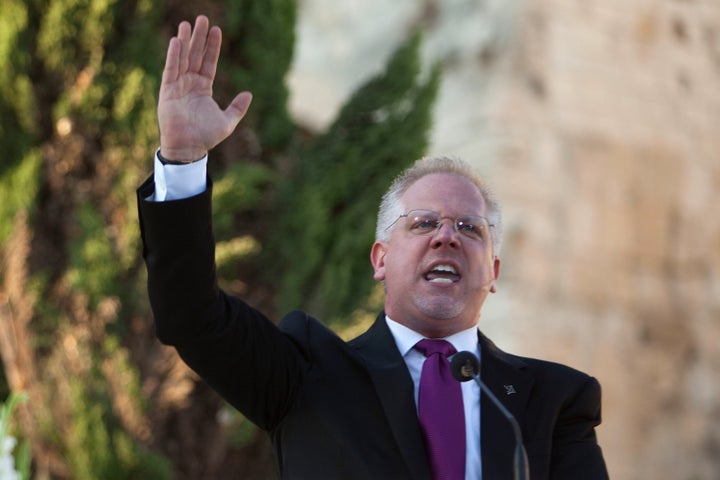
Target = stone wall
(597,122)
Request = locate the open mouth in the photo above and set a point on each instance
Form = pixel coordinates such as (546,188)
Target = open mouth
(442,274)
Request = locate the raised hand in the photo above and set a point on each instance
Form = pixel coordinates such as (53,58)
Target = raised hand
(191,122)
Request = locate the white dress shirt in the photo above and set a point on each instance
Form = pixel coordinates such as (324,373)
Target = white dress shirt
(174,182)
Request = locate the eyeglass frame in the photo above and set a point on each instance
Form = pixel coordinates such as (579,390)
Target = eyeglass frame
(456,222)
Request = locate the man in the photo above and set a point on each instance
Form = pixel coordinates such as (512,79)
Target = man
(364,409)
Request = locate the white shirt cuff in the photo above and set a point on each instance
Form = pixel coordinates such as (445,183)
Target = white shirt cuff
(175,182)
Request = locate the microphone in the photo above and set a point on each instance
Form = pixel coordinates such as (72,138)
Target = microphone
(466,366)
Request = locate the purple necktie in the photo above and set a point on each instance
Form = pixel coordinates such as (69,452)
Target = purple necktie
(440,408)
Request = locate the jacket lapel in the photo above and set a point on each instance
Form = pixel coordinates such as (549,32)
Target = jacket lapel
(395,389)
(505,375)
(507,378)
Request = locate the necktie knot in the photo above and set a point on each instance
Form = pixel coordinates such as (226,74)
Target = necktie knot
(431,346)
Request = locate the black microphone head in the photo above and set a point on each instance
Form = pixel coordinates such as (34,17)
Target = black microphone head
(464,366)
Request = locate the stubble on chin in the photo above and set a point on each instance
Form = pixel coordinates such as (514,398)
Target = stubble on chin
(438,308)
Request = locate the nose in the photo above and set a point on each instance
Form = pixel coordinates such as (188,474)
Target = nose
(446,235)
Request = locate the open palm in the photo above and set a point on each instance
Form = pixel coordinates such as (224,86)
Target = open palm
(191,122)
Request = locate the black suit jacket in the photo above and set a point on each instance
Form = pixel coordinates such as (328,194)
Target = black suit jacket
(337,410)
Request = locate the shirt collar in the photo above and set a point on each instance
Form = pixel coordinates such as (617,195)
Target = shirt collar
(406,338)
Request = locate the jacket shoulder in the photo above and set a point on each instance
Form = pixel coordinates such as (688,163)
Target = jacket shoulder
(310,335)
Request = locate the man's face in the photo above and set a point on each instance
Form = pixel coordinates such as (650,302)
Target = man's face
(420,292)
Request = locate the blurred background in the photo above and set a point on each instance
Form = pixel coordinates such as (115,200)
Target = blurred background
(595,121)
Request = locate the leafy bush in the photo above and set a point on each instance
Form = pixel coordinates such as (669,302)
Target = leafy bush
(78,88)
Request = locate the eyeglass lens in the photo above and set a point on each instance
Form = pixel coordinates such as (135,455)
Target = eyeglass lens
(423,222)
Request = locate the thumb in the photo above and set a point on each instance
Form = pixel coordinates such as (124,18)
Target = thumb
(238,107)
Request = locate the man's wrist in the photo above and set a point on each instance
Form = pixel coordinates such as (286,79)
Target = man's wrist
(167,161)
(174,182)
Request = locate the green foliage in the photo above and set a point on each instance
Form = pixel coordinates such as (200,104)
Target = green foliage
(22,453)
(328,204)
(92,66)
(18,108)
(97,447)
(76,30)
(261,38)
(89,449)
(97,381)
(78,92)
(93,269)
(18,188)
(49,313)
(239,190)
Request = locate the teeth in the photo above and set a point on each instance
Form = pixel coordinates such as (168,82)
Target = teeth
(445,268)
(440,280)
(442,273)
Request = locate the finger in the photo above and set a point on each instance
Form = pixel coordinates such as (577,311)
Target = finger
(212,53)
(197,43)
(184,38)
(172,61)
(238,108)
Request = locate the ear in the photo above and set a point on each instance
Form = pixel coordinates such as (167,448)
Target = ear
(377,258)
(496,273)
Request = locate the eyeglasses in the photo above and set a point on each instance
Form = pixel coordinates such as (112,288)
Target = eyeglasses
(426,222)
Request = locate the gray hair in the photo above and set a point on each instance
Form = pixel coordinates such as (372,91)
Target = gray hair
(391,206)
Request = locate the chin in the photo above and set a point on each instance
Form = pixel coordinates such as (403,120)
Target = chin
(440,309)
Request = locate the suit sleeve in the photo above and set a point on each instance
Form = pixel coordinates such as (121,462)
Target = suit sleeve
(576,453)
(232,346)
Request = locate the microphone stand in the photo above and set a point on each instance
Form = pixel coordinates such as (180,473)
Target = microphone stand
(466,366)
